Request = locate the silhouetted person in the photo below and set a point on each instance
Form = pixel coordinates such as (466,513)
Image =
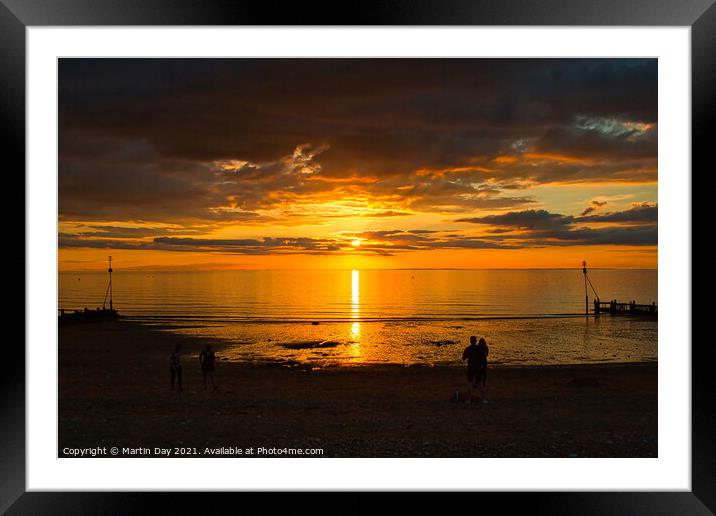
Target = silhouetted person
(476,356)
(175,366)
(207,359)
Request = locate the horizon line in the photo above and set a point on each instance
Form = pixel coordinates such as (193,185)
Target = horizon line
(183,269)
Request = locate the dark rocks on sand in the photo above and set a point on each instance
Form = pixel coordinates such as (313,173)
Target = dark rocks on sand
(313,344)
(442,342)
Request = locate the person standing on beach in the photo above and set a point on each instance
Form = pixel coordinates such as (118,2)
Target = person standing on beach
(476,356)
(206,359)
(175,366)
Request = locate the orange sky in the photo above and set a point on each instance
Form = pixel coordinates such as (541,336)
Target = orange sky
(597,257)
(357,163)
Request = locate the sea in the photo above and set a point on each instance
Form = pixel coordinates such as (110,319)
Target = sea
(409,317)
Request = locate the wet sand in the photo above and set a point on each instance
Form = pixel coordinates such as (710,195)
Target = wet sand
(114,391)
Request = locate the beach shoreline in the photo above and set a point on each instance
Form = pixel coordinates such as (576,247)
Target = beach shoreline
(114,391)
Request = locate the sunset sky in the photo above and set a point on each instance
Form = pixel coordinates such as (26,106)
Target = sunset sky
(357,163)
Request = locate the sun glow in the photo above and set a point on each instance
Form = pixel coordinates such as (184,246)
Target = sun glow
(356,243)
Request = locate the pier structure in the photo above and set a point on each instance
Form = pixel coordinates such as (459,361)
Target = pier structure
(613,306)
(88,315)
(630,308)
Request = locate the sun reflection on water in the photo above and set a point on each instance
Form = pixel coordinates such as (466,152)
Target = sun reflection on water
(356,352)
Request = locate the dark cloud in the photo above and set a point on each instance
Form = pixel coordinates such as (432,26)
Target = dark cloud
(647,213)
(512,230)
(529,219)
(632,236)
(266,245)
(389,213)
(199,141)
(104,231)
(372,243)
(594,206)
(542,228)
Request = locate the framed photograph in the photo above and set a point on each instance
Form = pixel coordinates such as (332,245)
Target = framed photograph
(421,249)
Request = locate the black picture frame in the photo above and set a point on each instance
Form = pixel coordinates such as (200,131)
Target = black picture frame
(17,15)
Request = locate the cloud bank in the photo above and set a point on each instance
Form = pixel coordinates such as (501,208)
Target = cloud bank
(161,153)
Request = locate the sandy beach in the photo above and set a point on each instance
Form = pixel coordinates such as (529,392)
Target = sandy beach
(114,392)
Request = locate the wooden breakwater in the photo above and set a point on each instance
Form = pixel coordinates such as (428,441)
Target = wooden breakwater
(630,308)
(83,316)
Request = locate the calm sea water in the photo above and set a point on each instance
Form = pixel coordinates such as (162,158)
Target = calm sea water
(376,316)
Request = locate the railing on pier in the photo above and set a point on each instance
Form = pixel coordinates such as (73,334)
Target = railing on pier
(615,307)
